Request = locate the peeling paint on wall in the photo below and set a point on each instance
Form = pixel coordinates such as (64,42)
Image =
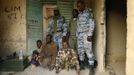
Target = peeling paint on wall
(12,26)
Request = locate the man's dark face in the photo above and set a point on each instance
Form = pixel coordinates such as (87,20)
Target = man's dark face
(75,13)
(48,39)
(65,45)
(39,44)
(56,13)
(80,6)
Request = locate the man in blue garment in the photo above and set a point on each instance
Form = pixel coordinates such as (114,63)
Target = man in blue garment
(57,27)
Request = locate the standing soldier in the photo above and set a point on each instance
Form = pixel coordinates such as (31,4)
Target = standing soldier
(57,27)
(73,29)
(85,29)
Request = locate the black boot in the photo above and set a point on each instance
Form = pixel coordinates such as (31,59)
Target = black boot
(82,65)
(91,70)
(95,63)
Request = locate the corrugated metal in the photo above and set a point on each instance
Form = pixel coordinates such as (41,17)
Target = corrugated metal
(34,24)
(65,7)
(49,1)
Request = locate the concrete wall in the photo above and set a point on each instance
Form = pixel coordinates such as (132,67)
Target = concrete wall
(130,38)
(116,31)
(12,26)
(100,36)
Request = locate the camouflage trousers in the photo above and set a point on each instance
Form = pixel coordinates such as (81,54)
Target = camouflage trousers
(57,38)
(68,64)
(84,46)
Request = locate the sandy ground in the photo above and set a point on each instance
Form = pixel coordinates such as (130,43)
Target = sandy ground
(42,71)
(117,68)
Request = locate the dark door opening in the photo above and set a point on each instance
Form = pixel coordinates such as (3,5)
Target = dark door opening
(116,35)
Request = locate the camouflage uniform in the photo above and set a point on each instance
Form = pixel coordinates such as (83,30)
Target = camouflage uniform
(72,37)
(85,28)
(58,28)
(66,59)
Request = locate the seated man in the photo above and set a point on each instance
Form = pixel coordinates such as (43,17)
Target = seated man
(34,58)
(48,53)
(66,59)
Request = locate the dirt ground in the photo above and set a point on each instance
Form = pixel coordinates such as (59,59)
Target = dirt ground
(116,68)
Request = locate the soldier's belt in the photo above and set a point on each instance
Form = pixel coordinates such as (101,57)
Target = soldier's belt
(59,31)
(83,29)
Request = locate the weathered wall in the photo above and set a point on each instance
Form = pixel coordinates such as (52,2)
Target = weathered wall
(12,26)
(130,38)
(116,31)
(100,36)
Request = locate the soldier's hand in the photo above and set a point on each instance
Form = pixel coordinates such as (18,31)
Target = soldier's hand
(65,38)
(68,34)
(89,38)
(52,32)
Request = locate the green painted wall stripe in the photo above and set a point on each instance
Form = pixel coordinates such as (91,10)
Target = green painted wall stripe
(66,7)
(34,23)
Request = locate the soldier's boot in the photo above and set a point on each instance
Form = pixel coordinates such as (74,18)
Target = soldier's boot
(82,65)
(91,70)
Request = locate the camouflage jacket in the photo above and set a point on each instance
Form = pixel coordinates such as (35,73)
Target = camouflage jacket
(85,22)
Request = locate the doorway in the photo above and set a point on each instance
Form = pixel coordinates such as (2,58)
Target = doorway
(116,36)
